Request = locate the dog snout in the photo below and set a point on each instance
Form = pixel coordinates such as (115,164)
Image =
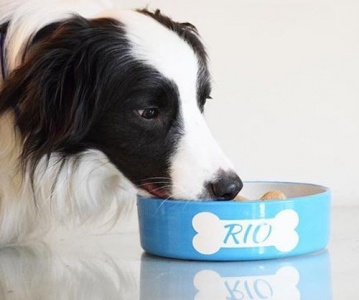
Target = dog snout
(226,186)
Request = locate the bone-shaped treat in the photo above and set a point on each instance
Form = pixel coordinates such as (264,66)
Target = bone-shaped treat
(281,285)
(214,233)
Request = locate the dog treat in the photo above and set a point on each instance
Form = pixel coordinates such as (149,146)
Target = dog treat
(240,198)
(273,195)
(270,195)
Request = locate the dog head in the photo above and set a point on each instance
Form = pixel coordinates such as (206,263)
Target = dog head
(130,84)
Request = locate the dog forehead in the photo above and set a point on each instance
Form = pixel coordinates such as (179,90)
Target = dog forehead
(161,48)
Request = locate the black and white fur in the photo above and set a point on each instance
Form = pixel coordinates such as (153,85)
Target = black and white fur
(99,104)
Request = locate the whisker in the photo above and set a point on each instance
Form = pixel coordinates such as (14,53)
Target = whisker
(162,188)
(159,181)
(159,207)
(164,201)
(153,178)
(156,182)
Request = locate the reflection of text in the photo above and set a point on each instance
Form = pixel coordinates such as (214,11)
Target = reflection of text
(280,286)
(258,289)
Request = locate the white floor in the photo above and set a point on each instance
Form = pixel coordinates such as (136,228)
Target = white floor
(113,266)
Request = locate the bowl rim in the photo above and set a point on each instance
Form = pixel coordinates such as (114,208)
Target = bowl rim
(325,190)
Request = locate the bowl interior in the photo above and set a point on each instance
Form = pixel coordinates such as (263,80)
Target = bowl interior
(254,190)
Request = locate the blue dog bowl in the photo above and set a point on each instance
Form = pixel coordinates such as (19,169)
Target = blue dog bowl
(231,230)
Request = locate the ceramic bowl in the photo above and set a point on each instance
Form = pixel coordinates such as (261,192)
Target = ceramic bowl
(233,230)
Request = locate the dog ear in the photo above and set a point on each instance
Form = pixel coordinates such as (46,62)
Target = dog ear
(55,93)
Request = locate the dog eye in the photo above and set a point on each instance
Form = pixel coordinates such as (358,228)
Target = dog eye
(148,113)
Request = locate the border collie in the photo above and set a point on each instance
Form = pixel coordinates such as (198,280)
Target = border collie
(98,104)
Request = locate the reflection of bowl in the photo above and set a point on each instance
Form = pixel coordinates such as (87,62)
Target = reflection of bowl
(304,277)
(222,230)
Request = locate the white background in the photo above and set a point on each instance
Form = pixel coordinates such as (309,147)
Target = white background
(286,86)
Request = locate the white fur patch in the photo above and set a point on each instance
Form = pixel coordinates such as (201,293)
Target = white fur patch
(86,189)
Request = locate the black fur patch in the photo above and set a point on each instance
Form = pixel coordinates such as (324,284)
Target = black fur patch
(3,32)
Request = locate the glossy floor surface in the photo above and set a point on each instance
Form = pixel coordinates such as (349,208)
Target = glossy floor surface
(113,266)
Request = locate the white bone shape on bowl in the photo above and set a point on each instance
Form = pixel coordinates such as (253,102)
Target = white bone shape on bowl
(214,233)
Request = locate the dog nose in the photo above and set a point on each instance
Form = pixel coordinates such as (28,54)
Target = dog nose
(227,186)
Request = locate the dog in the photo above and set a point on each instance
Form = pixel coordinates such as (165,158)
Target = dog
(97,105)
